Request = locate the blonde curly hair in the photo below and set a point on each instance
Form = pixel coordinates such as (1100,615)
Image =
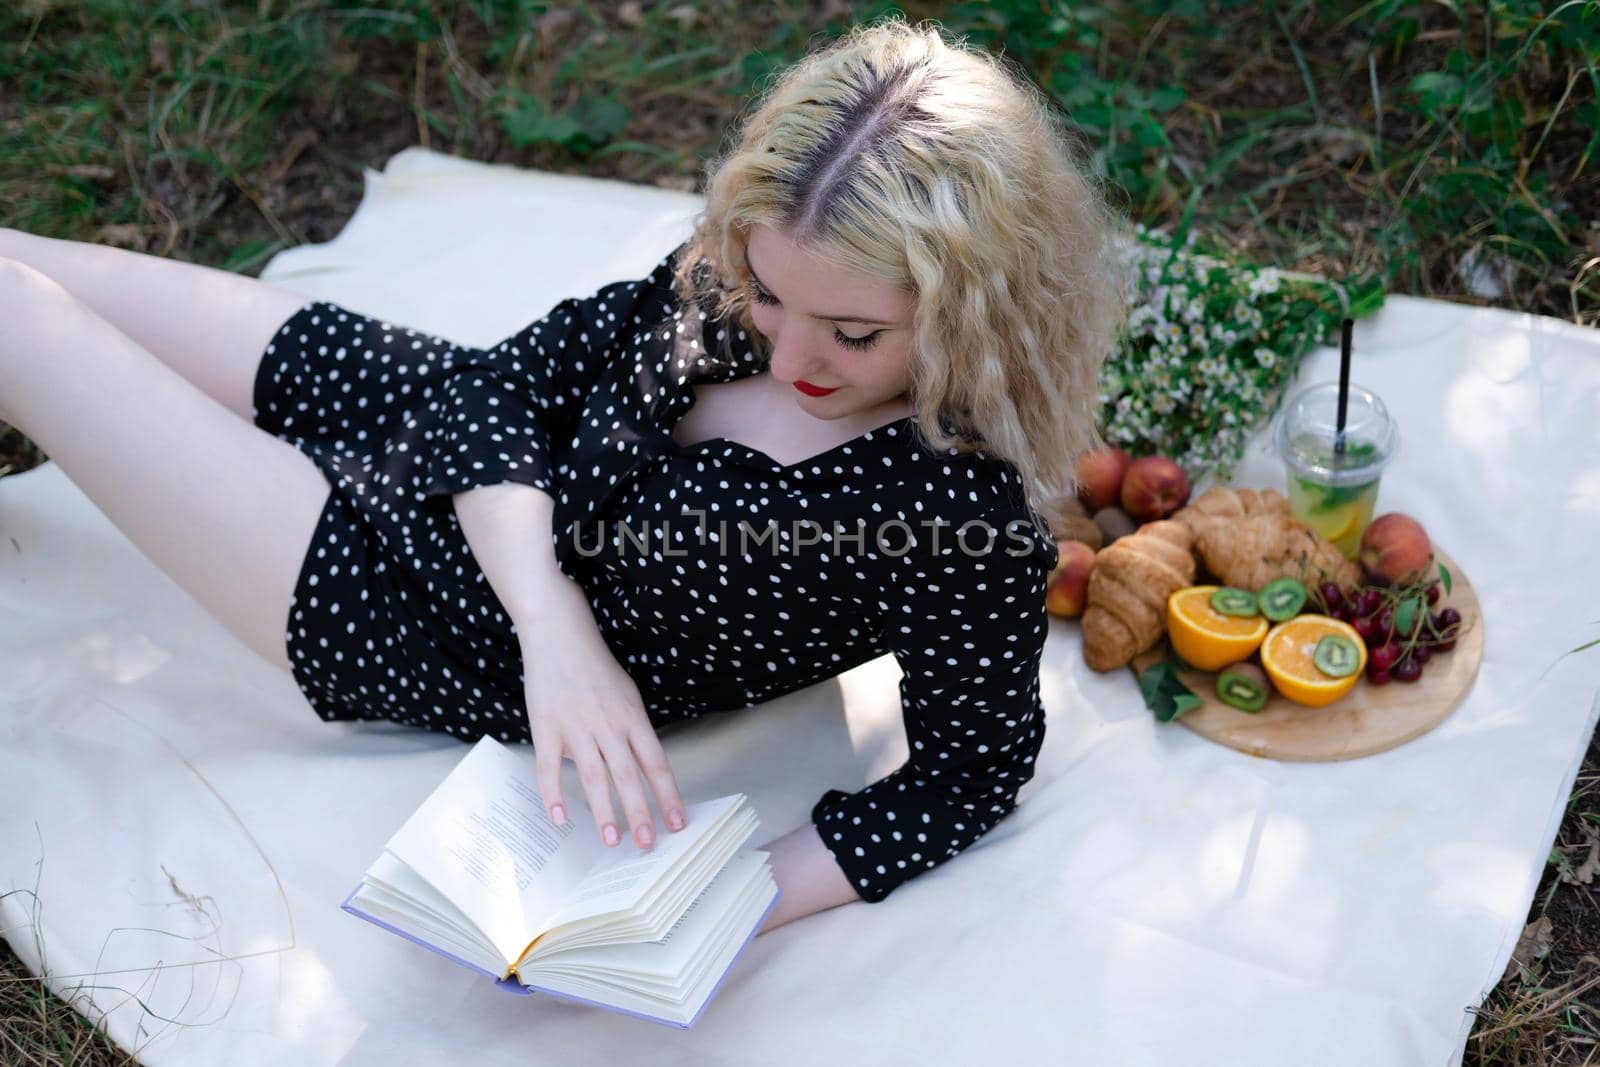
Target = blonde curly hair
(942,169)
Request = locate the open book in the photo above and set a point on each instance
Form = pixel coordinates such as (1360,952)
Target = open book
(480,875)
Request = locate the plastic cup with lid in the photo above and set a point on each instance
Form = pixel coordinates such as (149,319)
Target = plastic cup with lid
(1333,490)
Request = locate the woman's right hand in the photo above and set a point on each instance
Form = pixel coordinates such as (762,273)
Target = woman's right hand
(584,706)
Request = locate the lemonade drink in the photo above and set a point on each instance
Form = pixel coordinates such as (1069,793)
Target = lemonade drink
(1338,512)
(1334,492)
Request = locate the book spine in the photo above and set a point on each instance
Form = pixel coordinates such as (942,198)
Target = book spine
(508,983)
(656,1018)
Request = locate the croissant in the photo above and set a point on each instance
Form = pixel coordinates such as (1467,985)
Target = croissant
(1126,610)
(1247,537)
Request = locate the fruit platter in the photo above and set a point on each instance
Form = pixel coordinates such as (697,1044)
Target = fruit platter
(1250,626)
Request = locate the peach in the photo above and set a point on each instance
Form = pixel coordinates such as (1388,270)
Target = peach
(1153,488)
(1395,549)
(1100,474)
(1067,593)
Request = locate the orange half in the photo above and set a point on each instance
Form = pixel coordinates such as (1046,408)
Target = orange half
(1206,638)
(1286,654)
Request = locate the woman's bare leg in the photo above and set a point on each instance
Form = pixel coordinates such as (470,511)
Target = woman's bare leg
(209,325)
(224,508)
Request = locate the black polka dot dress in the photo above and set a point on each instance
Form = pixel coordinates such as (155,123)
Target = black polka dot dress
(718,577)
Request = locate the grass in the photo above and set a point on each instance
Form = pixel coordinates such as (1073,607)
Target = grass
(1449,147)
(39,1030)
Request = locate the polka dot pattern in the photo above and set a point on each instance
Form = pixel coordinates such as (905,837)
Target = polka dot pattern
(719,577)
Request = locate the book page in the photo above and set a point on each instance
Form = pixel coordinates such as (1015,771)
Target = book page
(738,895)
(483,840)
(621,876)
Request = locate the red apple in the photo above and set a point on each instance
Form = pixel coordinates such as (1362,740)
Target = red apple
(1395,549)
(1068,590)
(1154,488)
(1100,474)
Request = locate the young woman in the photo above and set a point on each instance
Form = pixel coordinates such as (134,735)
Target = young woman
(819,431)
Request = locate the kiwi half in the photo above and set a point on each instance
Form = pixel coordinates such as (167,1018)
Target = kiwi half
(1335,656)
(1243,686)
(1282,598)
(1231,601)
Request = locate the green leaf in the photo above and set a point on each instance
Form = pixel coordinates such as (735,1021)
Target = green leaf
(1183,702)
(1366,295)
(1146,133)
(1095,116)
(1164,694)
(528,121)
(1407,614)
(1437,90)
(589,124)
(1444,576)
(1150,680)
(1331,497)
(601,118)
(1166,98)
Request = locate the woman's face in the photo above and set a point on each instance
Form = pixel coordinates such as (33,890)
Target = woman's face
(830,328)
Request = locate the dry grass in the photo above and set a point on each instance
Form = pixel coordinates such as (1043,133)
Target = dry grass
(38,1030)
(1546,1010)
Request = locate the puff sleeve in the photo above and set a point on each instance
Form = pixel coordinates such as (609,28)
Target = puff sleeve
(502,413)
(968,631)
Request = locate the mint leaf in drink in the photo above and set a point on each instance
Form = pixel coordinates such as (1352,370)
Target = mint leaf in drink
(1337,496)
(1362,450)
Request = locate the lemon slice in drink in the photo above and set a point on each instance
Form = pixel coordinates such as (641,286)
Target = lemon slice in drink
(1337,525)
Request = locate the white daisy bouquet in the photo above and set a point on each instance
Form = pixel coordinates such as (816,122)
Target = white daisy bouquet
(1208,346)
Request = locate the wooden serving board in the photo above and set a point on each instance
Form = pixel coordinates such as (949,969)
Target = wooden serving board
(1368,719)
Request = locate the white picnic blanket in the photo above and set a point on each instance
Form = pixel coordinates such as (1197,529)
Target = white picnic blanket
(178,827)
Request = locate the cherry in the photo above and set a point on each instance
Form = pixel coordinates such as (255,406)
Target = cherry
(1363,626)
(1433,594)
(1332,596)
(1444,646)
(1422,653)
(1385,625)
(1378,677)
(1449,617)
(1369,601)
(1342,613)
(1407,670)
(1383,657)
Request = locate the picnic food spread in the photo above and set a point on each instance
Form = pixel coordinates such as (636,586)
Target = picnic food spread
(1253,607)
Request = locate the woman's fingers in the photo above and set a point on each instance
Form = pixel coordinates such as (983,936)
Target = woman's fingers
(630,787)
(607,744)
(592,775)
(592,772)
(654,761)
(547,761)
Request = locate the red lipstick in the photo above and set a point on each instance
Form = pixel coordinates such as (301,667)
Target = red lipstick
(813,390)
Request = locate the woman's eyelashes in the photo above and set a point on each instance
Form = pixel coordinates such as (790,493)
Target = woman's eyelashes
(761,296)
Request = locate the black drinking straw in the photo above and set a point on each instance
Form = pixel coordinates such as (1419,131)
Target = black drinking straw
(1344,384)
